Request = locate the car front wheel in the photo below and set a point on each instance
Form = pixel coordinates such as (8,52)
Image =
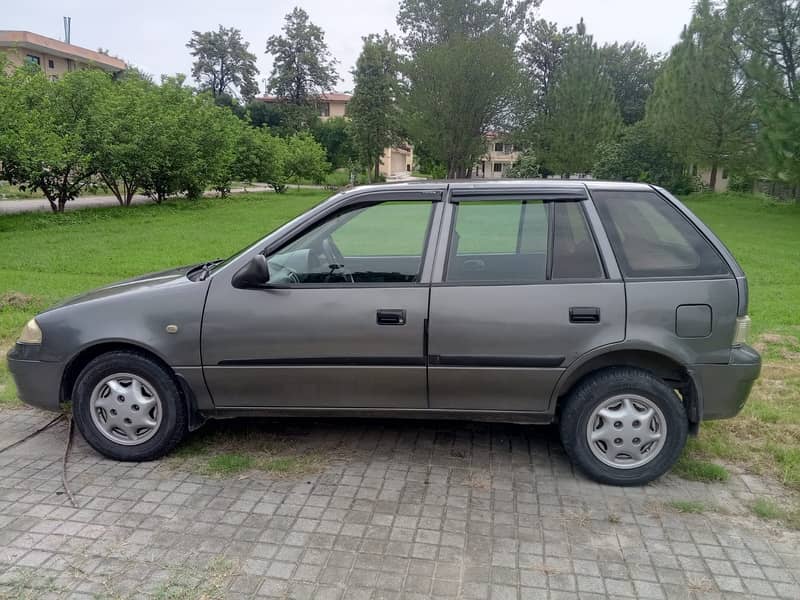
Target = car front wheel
(128,407)
(623,426)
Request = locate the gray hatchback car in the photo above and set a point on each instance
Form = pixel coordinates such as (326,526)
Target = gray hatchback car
(608,308)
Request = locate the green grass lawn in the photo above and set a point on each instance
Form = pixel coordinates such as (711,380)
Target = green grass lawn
(46,257)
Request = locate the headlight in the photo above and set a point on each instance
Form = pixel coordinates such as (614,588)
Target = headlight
(31,334)
(742,330)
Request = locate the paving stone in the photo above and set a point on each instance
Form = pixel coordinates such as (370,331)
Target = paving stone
(403,510)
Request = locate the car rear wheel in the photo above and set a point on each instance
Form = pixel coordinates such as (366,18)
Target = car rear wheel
(623,426)
(128,407)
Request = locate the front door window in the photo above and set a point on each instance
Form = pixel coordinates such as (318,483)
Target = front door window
(378,243)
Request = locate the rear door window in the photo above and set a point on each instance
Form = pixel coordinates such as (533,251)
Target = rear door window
(575,254)
(651,238)
(499,241)
(521,241)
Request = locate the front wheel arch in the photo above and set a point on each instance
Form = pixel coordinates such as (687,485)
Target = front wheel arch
(78,362)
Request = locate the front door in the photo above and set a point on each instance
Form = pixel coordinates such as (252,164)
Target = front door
(522,293)
(345,330)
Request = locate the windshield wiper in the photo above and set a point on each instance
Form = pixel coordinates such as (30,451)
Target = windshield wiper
(204,270)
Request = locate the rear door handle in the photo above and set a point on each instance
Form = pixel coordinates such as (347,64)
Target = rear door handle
(584,314)
(391,316)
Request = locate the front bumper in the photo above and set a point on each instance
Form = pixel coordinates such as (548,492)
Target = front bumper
(38,382)
(724,388)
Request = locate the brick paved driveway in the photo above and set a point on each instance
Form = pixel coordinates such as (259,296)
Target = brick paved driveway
(396,510)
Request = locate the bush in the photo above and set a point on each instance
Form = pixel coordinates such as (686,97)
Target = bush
(741,182)
(260,157)
(305,159)
(527,167)
(641,155)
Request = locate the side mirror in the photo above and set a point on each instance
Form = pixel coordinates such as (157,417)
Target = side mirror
(254,274)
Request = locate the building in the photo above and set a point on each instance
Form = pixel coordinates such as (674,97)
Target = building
(397,162)
(704,173)
(500,156)
(53,56)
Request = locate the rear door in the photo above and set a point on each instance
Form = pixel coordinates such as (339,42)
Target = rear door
(519,292)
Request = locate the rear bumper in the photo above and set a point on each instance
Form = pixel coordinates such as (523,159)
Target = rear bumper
(724,388)
(38,382)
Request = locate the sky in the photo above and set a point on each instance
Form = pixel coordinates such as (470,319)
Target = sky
(152,34)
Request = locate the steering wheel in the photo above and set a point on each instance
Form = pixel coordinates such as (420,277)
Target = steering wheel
(292,276)
(336,257)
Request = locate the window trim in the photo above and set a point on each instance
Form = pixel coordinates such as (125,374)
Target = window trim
(271,249)
(524,198)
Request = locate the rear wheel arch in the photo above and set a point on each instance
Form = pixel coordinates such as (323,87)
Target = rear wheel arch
(667,368)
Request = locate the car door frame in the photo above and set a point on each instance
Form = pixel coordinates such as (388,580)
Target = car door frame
(514,192)
(305,223)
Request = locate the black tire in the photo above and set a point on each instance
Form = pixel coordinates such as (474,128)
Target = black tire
(596,388)
(173,426)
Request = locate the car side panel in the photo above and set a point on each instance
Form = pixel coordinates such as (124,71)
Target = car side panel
(653,316)
(138,314)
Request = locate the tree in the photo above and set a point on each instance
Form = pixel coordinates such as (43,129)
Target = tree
(582,111)
(173,150)
(769,30)
(456,95)
(124,148)
(703,101)
(305,159)
(374,113)
(303,68)
(641,154)
(266,114)
(461,73)
(633,71)
(541,53)
(223,64)
(260,157)
(195,143)
(49,143)
(427,23)
(215,131)
(335,136)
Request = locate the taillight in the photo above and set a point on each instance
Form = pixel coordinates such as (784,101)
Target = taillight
(742,330)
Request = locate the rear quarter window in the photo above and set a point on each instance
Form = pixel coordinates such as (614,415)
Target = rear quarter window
(651,238)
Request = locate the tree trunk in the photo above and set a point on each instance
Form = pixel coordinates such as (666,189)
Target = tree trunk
(712,180)
(114,187)
(129,195)
(377,172)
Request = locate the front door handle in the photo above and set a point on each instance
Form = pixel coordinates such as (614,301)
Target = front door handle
(391,316)
(584,314)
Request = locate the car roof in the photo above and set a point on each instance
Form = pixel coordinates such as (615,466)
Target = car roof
(500,184)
